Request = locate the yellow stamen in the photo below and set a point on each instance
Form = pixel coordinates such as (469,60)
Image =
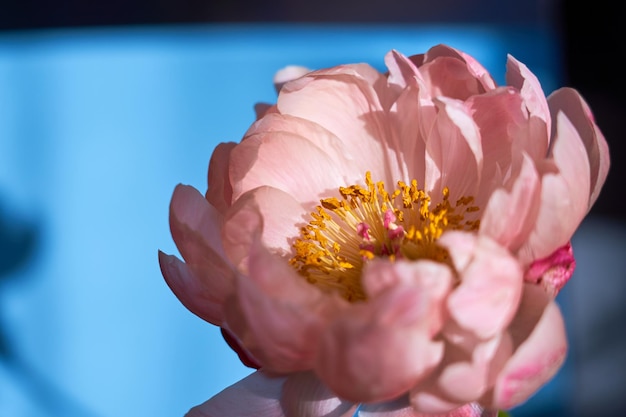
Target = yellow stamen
(368,222)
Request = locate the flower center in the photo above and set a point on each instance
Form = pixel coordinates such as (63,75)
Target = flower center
(369,222)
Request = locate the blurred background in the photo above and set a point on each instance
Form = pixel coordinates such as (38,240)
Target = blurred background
(106,106)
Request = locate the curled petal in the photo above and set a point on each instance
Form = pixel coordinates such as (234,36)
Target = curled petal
(195,294)
(257,395)
(304,395)
(480,365)
(490,288)
(396,322)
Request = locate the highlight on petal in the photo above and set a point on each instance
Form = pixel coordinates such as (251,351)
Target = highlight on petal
(257,395)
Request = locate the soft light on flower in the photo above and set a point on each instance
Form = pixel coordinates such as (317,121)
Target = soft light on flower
(391,240)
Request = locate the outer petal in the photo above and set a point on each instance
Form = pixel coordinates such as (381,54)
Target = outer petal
(257,395)
(195,294)
(490,288)
(577,111)
(541,345)
(220,192)
(564,195)
(304,395)
(519,76)
(195,227)
(398,322)
(277,315)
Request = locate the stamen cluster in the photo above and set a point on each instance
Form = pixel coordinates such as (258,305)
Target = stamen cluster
(369,222)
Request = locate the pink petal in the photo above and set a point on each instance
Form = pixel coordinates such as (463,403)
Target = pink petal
(520,77)
(279,213)
(345,101)
(473,66)
(510,212)
(397,322)
(332,146)
(304,395)
(410,115)
(450,77)
(257,395)
(577,111)
(195,224)
(490,288)
(564,195)
(454,151)
(220,192)
(467,375)
(541,345)
(195,294)
(195,227)
(272,158)
(501,119)
(279,316)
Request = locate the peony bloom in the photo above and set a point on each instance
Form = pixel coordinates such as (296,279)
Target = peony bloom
(393,241)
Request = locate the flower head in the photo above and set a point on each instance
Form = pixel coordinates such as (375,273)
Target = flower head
(393,240)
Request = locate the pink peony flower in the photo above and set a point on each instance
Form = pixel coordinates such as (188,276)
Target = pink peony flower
(391,240)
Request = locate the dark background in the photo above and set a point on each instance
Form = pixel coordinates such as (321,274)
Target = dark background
(592,35)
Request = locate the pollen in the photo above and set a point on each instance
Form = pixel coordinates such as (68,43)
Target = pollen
(367,222)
